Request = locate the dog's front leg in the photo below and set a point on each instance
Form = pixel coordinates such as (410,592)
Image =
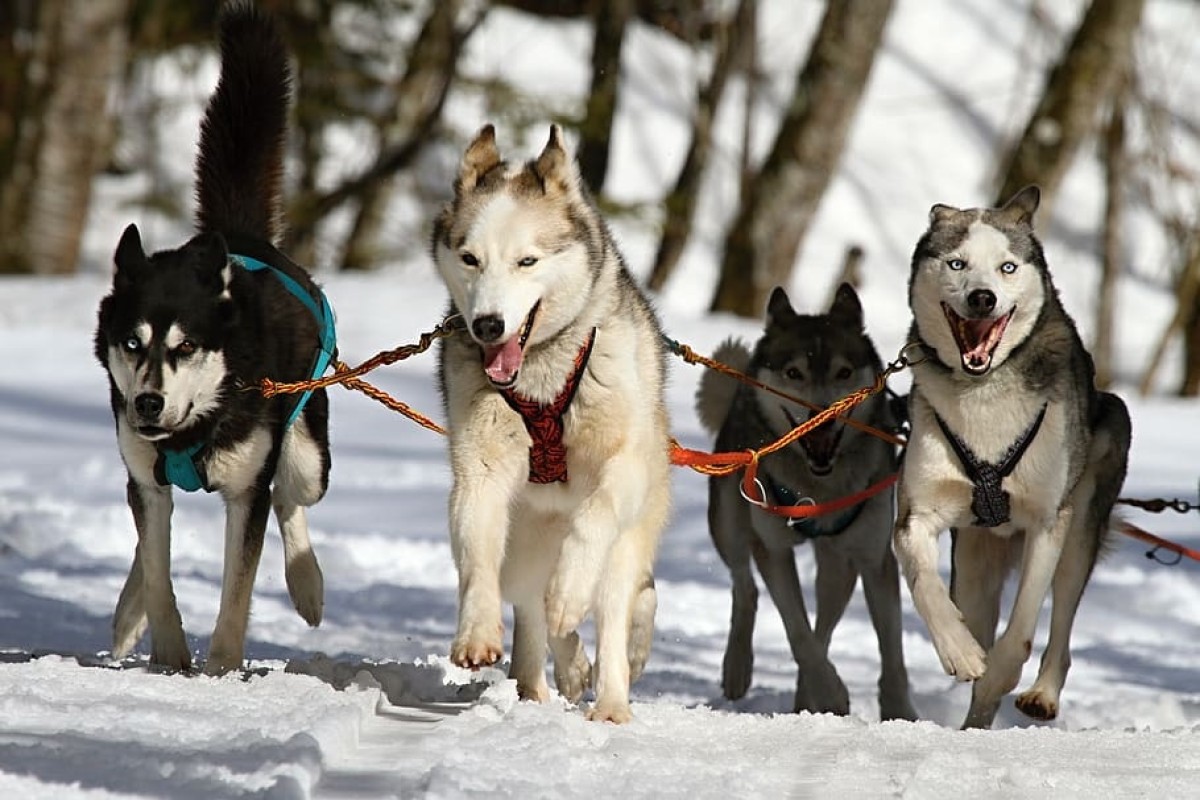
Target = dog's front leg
(916,543)
(245,524)
(1040,560)
(152,506)
(479,521)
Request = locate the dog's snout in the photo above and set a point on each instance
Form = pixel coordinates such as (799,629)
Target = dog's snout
(982,301)
(488,328)
(148,405)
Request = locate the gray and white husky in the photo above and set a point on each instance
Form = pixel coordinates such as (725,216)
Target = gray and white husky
(186,335)
(819,358)
(559,440)
(1012,448)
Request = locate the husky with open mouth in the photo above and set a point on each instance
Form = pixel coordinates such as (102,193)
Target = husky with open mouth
(559,441)
(819,358)
(1012,449)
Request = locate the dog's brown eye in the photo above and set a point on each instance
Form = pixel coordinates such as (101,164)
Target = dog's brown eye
(470,260)
(844,373)
(527,261)
(186,347)
(793,374)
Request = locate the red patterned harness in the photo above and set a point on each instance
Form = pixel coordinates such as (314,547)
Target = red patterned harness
(547,453)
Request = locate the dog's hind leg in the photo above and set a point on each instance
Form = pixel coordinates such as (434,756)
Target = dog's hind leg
(979,565)
(729,524)
(881,587)
(641,630)
(819,689)
(620,597)
(572,671)
(129,620)
(529,651)
(245,523)
(1039,561)
(152,507)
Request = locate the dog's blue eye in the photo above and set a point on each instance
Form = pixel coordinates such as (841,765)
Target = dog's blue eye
(1008,268)
(956,264)
(470,260)
(527,261)
(132,344)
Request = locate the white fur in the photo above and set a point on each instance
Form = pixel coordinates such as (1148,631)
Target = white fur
(558,552)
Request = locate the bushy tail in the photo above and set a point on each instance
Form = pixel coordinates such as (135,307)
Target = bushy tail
(239,172)
(714,398)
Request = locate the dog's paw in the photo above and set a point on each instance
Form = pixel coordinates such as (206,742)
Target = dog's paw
(736,672)
(961,656)
(565,609)
(219,663)
(170,651)
(820,690)
(306,586)
(1037,705)
(476,649)
(573,677)
(538,693)
(616,712)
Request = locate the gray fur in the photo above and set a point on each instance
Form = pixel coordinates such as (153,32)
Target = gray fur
(805,356)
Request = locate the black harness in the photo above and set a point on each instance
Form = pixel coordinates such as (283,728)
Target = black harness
(989,501)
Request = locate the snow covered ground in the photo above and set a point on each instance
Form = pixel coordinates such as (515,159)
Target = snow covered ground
(368,704)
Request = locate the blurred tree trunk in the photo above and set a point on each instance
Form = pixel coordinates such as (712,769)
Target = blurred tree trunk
(421,91)
(1189,302)
(420,94)
(730,46)
(1115,178)
(771,223)
(1076,90)
(609,18)
(60,59)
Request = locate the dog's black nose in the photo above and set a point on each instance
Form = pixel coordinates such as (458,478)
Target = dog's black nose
(982,301)
(488,328)
(148,405)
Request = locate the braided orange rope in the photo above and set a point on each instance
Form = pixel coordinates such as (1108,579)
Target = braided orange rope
(692,357)
(718,464)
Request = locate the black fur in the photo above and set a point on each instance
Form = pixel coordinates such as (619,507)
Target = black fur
(260,329)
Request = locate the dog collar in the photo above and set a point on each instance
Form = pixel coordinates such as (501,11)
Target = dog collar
(544,423)
(989,501)
(184,468)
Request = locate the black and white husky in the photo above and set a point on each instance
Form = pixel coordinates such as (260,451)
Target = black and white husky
(1012,448)
(187,334)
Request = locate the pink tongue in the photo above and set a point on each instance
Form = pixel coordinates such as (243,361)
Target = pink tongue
(501,363)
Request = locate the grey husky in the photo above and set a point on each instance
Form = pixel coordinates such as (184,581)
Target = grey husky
(1012,449)
(185,336)
(559,441)
(818,358)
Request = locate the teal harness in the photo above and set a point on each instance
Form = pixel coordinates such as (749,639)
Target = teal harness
(185,468)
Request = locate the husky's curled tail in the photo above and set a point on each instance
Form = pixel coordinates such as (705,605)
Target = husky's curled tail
(185,330)
(714,397)
(239,172)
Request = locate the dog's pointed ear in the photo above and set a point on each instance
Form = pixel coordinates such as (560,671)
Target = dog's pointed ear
(846,306)
(941,213)
(480,157)
(130,255)
(779,308)
(1022,205)
(555,167)
(210,257)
